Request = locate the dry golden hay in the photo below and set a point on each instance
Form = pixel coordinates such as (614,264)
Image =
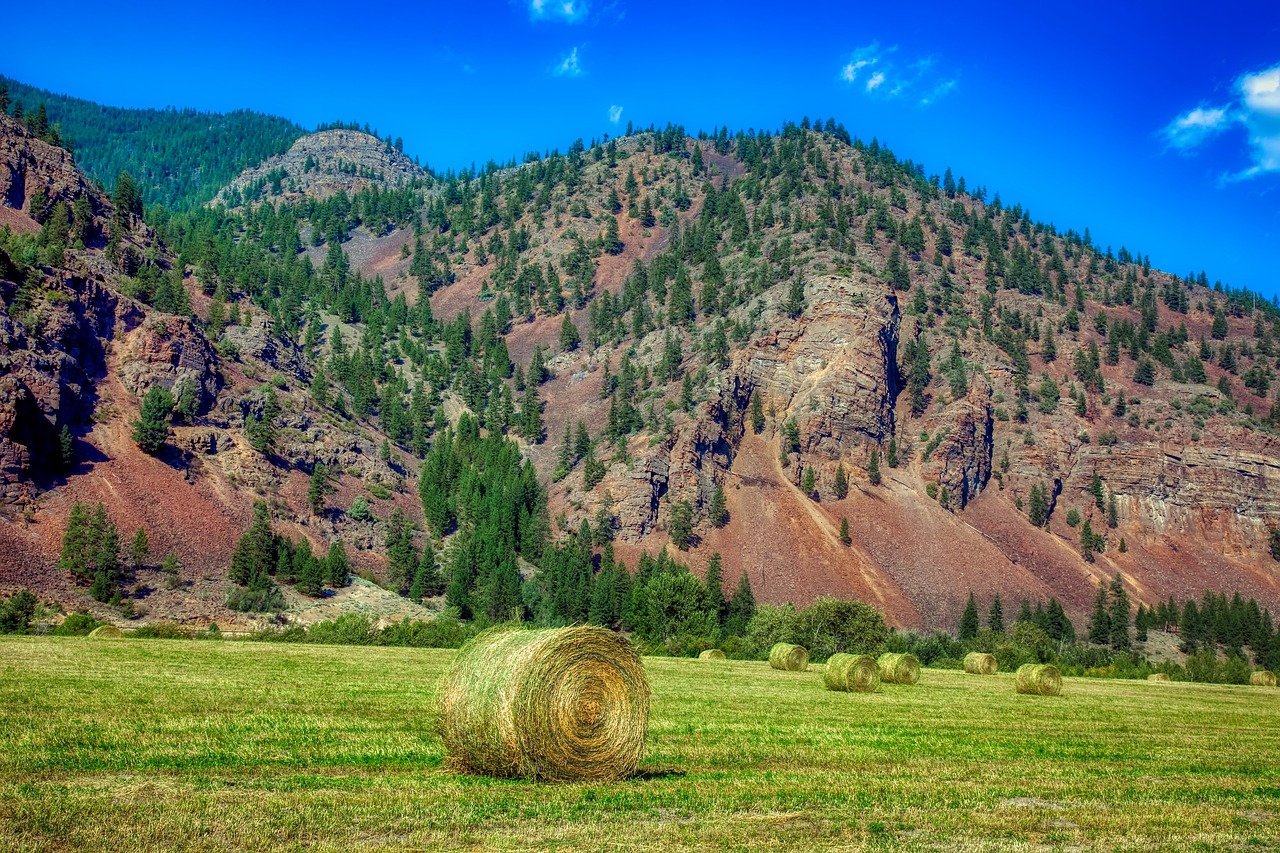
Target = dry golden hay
(565,704)
(711,654)
(980,663)
(1158,676)
(1038,679)
(1263,678)
(789,657)
(898,668)
(105,632)
(852,673)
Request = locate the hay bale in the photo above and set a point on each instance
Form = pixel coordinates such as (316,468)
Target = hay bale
(105,632)
(852,673)
(1263,678)
(711,654)
(1158,676)
(789,657)
(566,704)
(980,663)
(1038,679)
(899,668)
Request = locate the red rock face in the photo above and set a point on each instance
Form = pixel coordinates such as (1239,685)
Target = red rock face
(28,165)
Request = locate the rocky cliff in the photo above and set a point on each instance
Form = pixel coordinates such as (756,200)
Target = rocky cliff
(322,164)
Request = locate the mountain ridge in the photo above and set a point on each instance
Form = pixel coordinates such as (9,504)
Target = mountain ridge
(798,305)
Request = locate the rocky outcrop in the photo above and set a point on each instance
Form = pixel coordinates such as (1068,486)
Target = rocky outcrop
(171,352)
(323,164)
(27,166)
(255,341)
(961,460)
(834,369)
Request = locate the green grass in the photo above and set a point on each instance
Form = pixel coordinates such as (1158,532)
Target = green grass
(178,745)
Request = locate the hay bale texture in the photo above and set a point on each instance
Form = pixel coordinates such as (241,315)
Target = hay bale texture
(980,663)
(852,673)
(789,657)
(898,668)
(711,654)
(1038,679)
(105,632)
(565,704)
(1263,678)
(1158,676)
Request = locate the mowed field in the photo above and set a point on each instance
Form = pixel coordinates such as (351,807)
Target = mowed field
(206,746)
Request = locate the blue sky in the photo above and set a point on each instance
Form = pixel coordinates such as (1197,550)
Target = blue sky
(1155,124)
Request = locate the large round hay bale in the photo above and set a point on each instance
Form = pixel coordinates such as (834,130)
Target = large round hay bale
(105,632)
(852,673)
(711,654)
(898,668)
(565,704)
(789,657)
(1263,678)
(980,663)
(1158,676)
(1038,679)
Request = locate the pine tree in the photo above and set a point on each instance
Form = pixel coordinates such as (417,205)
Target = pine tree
(742,606)
(845,538)
(139,547)
(66,448)
(569,336)
(715,587)
(337,566)
(1100,622)
(757,414)
(718,512)
(808,482)
(840,488)
(873,467)
(151,430)
(77,544)
(318,487)
(995,617)
(1118,615)
(680,524)
(531,415)
(969,620)
(255,553)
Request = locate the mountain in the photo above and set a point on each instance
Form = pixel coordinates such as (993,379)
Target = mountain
(660,340)
(322,164)
(176,157)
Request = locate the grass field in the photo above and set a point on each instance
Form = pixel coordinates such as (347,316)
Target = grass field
(176,745)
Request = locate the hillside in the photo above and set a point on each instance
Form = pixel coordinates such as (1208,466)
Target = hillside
(178,158)
(662,324)
(322,164)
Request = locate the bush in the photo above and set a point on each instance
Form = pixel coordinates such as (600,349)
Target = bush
(78,624)
(771,624)
(349,629)
(831,625)
(161,631)
(446,631)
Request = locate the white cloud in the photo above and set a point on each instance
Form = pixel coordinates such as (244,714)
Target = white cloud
(881,77)
(569,66)
(615,113)
(1257,110)
(563,11)
(1195,126)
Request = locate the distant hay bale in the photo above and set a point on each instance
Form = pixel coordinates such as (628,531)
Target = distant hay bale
(898,668)
(105,632)
(1263,678)
(1038,679)
(566,704)
(1158,676)
(711,654)
(852,673)
(981,663)
(789,657)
